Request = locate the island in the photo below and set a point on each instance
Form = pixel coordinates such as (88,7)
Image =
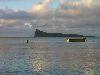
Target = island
(39,33)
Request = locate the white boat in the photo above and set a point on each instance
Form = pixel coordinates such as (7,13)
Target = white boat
(75,39)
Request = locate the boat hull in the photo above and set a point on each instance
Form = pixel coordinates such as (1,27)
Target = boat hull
(76,39)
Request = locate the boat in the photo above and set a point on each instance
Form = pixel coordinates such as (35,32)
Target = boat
(76,39)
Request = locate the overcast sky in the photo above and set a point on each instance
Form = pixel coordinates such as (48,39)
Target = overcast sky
(22,17)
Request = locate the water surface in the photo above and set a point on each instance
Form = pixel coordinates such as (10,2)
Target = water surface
(49,56)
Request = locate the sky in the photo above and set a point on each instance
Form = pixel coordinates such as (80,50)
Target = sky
(20,18)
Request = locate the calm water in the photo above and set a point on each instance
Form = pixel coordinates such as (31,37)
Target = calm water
(49,56)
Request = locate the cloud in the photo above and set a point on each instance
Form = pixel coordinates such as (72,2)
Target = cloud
(12,14)
(74,7)
(77,2)
(11,0)
(7,22)
(87,3)
(40,7)
(71,11)
(71,17)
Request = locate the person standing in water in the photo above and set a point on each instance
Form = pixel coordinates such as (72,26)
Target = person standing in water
(26,41)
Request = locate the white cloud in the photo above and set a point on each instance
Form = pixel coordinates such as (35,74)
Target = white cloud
(69,17)
(29,25)
(7,22)
(40,7)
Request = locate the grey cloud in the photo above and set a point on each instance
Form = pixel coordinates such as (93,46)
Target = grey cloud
(11,0)
(87,21)
(10,14)
(87,18)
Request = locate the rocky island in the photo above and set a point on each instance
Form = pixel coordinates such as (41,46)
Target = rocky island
(39,33)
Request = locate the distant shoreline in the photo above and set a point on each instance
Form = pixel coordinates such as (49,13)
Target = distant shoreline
(40,37)
(39,33)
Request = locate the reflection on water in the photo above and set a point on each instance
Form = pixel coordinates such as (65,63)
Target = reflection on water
(44,56)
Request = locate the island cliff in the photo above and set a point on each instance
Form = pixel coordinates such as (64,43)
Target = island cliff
(39,33)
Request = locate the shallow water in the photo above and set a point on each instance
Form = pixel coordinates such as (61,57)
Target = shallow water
(49,56)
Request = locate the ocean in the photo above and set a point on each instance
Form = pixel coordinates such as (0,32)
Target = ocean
(49,56)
